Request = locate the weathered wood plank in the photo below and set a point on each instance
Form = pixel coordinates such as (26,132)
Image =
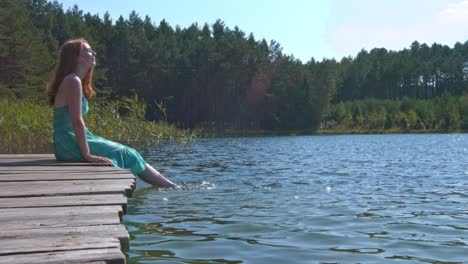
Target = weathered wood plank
(117,231)
(34,162)
(27,156)
(64,176)
(47,188)
(62,168)
(63,172)
(40,160)
(63,221)
(69,200)
(57,164)
(109,255)
(51,212)
(62,212)
(52,244)
(47,162)
(12,169)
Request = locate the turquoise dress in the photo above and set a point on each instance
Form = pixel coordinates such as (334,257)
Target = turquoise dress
(66,147)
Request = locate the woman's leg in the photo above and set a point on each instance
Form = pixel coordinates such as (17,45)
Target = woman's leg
(153,177)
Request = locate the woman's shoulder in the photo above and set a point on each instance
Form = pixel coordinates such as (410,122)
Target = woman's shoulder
(71,82)
(71,78)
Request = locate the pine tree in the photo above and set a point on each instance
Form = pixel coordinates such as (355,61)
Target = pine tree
(24,59)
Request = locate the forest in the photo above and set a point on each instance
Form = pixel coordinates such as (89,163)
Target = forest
(214,77)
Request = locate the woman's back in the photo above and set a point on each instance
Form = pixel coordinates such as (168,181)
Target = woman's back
(62,97)
(65,144)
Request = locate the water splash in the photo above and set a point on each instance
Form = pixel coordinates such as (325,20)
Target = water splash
(204,185)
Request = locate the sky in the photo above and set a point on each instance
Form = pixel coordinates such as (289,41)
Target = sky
(310,28)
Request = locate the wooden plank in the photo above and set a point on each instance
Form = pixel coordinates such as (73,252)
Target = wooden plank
(69,200)
(34,162)
(45,188)
(63,221)
(51,212)
(47,162)
(61,168)
(40,160)
(61,212)
(6,173)
(51,163)
(61,176)
(117,231)
(27,156)
(109,255)
(52,244)
(10,169)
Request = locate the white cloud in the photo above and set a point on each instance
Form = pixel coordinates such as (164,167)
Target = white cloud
(447,26)
(454,14)
(350,39)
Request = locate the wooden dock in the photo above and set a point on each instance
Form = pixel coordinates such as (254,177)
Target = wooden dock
(57,212)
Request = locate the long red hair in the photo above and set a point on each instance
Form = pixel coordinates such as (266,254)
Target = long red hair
(67,63)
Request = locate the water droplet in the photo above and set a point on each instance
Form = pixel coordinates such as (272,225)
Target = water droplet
(207,185)
(165,199)
(296,197)
(328,189)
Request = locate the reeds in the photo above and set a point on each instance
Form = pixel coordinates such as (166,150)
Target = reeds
(26,125)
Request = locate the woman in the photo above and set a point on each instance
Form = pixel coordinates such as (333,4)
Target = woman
(69,94)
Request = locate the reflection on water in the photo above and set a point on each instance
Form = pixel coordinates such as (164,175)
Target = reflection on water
(322,199)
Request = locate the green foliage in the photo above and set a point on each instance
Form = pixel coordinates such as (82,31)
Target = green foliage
(124,121)
(446,113)
(464,111)
(216,77)
(25,62)
(26,125)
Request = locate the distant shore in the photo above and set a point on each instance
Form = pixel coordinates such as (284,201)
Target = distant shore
(259,133)
(386,131)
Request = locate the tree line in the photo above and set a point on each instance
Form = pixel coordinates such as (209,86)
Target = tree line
(213,76)
(444,113)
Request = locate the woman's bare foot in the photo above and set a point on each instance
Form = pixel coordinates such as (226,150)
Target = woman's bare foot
(153,177)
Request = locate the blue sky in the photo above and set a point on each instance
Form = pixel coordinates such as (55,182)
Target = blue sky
(310,28)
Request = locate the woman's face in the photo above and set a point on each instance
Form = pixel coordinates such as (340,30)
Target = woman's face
(87,55)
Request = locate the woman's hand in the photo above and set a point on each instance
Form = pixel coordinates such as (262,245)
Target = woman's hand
(97,159)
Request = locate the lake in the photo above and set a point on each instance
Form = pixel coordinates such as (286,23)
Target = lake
(305,199)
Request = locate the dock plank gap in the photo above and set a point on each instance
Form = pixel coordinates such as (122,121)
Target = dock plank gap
(62,212)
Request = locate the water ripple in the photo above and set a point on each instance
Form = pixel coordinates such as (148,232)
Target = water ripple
(307,199)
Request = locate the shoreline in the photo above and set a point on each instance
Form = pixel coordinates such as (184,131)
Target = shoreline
(321,132)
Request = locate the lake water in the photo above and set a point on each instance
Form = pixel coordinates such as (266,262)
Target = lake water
(306,199)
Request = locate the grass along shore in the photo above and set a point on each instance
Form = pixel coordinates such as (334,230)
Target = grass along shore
(26,125)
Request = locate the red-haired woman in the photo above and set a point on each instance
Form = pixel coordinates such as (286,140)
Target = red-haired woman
(69,94)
